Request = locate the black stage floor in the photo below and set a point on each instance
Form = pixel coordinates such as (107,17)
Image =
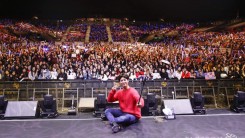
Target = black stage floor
(215,124)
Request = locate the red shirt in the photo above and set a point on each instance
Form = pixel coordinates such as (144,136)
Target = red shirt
(128,99)
(186,74)
(187,59)
(137,74)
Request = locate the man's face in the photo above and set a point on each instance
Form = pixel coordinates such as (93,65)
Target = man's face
(124,82)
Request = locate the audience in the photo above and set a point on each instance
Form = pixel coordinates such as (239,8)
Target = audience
(209,55)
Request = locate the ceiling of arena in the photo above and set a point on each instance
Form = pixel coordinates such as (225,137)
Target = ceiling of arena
(185,10)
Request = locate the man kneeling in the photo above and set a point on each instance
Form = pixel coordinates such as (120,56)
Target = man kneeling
(130,107)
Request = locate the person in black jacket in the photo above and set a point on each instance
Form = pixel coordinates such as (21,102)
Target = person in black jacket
(62,75)
(164,74)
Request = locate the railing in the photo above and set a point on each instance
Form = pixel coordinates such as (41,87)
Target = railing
(102,84)
(217,93)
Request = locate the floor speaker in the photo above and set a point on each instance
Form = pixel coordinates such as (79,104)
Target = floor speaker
(180,106)
(22,109)
(86,104)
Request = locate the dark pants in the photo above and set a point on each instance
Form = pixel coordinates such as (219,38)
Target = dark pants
(116,115)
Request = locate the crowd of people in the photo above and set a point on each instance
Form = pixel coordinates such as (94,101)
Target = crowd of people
(204,55)
(119,33)
(77,33)
(19,31)
(98,33)
(139,30)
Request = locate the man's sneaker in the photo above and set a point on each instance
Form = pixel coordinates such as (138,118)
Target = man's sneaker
(103,117)
(115,127)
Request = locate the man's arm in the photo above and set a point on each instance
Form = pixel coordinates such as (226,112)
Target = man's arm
(111,96)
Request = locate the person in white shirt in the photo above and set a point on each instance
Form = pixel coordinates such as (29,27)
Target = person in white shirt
(178,73)
(54,74)
(132,75)
(171,74)
(32,75)
(105,76)
(71,75)
(155,75)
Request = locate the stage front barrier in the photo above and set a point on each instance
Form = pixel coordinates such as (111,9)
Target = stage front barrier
(214,91)
(11,94)
(67,97)
(181,92)
(210,96)
(96,91)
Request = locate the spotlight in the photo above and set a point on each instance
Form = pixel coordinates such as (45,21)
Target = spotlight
(3,105)
(99,104)
(150,107)
(48,107)
(238,104)
(197,103)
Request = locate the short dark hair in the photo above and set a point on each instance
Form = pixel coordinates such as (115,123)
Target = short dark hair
(122,76)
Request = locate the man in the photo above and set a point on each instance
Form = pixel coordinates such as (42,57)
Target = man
(62,75)
(130,107)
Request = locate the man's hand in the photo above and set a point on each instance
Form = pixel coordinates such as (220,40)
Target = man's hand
(139,105)
(114,88)
(116,85)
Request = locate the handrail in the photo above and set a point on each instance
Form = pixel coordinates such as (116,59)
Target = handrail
(86,88)
(109,83)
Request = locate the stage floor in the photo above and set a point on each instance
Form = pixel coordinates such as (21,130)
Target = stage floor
(215,124)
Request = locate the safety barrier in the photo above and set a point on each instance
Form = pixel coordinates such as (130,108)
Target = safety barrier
(217,93)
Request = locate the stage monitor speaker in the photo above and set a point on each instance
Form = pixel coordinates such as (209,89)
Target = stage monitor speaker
(180,106)
(86,104)
(22,109)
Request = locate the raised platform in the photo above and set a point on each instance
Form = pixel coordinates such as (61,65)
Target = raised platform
(216,123)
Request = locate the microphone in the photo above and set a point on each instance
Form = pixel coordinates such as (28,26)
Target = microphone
(144,80)
(143,84)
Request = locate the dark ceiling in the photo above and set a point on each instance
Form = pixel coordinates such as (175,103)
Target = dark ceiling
(173,10)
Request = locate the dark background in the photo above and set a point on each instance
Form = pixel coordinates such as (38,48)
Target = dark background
(169,10)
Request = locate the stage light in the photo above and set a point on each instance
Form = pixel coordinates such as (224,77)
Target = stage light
(100,104)
(150,107)
(197,103)
(48,107)
(238,104)
(3,105)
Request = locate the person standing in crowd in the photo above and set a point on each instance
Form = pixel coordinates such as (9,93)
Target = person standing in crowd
(62,75)
(185,74)
(164,74)
(130,107)
(24,75)
(200,74)
(178,73)
(54,74)
(32,75)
